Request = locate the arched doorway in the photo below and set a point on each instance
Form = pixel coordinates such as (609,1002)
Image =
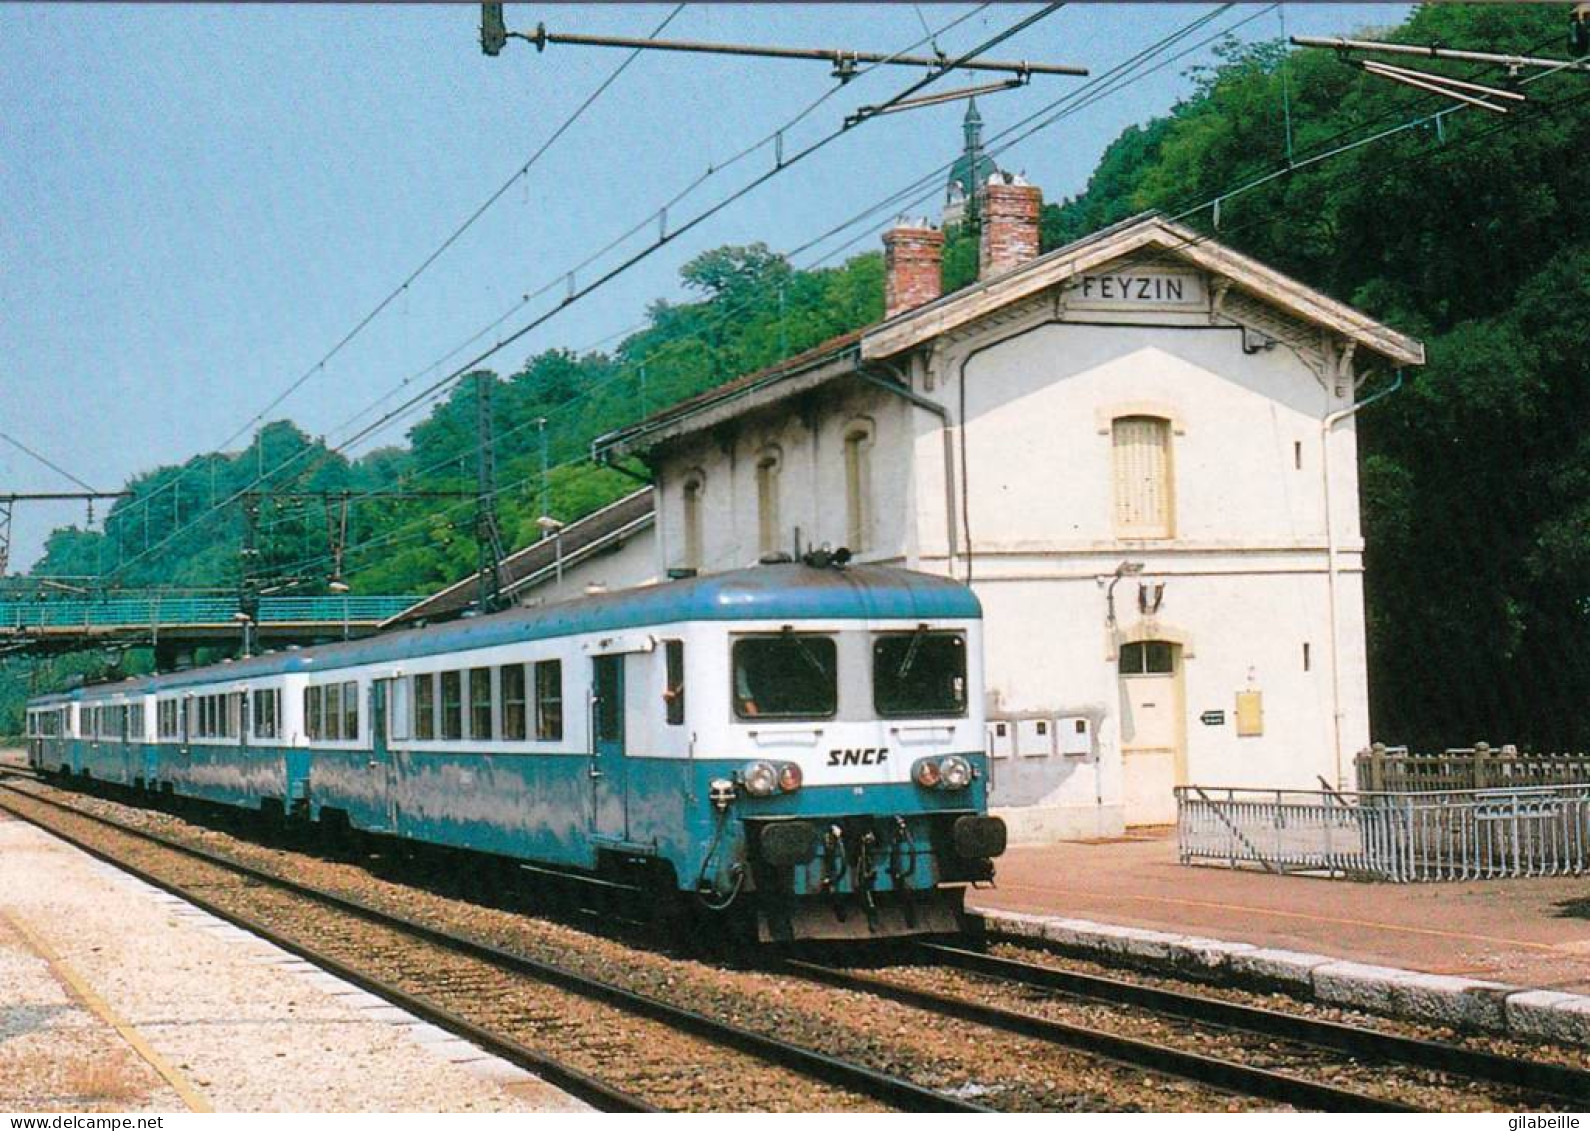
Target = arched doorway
(1153,731)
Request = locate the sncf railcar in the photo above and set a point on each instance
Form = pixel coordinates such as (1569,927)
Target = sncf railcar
(800,743)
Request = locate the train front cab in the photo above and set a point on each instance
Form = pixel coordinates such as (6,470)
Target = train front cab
(854,800)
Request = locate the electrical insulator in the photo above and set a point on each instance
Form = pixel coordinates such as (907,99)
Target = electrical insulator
(493,30)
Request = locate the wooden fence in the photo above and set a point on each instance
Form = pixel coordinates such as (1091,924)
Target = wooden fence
(1395,769)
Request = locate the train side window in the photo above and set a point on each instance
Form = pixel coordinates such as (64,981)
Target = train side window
(266,708)
(350,711)
(312,712)
(549,699)
(674,681)
(511,676)
(397,710)
(480,703)
(452,705)
(331,713)
(425,706)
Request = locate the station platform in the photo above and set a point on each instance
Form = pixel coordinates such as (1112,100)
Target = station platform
(116,996)
(1528,932)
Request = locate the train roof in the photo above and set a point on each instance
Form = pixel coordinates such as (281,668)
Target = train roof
(785,591)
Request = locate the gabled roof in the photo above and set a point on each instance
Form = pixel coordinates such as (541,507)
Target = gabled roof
(1148,233)
(602,529)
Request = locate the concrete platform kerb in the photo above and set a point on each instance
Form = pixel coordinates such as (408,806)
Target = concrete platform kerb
(1386,990)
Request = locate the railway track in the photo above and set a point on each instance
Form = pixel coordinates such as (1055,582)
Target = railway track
(1216,1072)
(1557,1080)
(461,976)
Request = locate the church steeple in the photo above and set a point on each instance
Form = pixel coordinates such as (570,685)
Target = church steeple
(970,171)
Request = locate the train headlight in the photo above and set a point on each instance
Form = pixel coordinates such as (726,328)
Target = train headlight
(951,772)
(760,779)
(955,772)
(789,777)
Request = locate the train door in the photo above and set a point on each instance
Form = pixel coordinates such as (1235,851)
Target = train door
(608,817)
(379,764)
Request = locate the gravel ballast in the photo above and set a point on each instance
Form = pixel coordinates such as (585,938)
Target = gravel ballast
(242,1025)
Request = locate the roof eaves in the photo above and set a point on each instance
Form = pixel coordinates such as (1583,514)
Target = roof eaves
(953,310)
(701,411)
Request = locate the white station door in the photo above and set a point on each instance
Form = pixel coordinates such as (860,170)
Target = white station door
(1152,725)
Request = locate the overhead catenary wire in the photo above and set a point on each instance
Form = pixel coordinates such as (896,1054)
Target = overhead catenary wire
(402,289)
(771,138)
(1120,70)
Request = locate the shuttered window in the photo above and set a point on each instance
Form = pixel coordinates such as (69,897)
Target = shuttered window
(1143,501)
(769,531)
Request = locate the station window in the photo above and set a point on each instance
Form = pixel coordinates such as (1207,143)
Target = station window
(350,711)
(858,476)
(549,699)
(788,676)
(919,673)
(674,681)
(425,706)
(511,676)
(1151,657)
(480,703)
(452,705)
(1143,496)
(769,530)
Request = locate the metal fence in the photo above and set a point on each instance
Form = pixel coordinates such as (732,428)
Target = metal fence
(1402,837)
(1395,769)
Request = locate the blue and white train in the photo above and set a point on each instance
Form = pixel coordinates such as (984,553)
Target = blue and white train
(801,742)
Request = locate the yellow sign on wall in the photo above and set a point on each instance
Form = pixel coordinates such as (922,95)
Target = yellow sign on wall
(1250,714)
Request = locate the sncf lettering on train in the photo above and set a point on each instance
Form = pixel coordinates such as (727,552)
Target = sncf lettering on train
(863,756)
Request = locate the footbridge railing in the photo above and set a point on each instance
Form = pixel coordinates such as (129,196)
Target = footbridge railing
(1401,837)
(167,611)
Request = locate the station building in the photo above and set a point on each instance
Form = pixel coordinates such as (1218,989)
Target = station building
(1138,449)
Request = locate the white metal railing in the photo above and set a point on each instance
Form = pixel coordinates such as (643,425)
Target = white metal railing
(1403,837)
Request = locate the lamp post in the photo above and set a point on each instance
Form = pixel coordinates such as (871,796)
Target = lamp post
(552,526)
(1125,569)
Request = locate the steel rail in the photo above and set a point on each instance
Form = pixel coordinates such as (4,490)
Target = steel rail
(588,1088)
(1227,1075)
(892,1090)
(1474,1064)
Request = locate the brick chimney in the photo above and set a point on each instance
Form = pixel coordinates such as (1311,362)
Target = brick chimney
(1010,210)
(913,258)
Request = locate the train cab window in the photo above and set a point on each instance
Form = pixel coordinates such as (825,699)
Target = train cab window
(452,705)
(425,706)
(350,711)
(480,703)
(549,699)
(789,676)
(511,677)
(674,681)
(919,673)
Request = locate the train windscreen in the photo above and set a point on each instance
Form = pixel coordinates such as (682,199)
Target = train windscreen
(919,673)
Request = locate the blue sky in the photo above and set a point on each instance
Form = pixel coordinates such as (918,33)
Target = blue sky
(199,201)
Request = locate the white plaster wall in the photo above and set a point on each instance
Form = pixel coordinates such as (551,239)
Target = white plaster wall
(1038,444)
